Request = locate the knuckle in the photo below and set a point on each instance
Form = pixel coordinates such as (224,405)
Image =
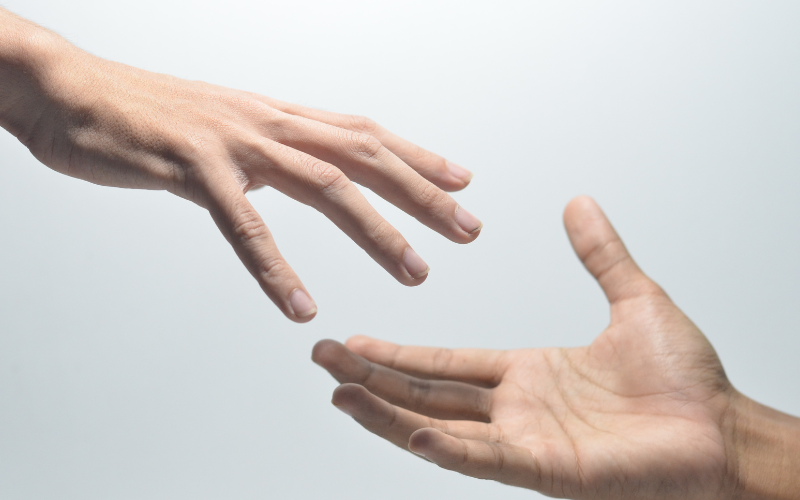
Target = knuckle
(362,124)
(606,256)
(366,380)
(253,156)
(274,120)
(325,177)
(499,458)
(383,233)
(392,418)
(496,434)
(482,403)
(242,103)
(249,227)
(465,458)
(418,394)
(272,269)
(430,196)
(364,145)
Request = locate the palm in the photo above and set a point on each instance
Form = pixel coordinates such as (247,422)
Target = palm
(639,413)
(638,409)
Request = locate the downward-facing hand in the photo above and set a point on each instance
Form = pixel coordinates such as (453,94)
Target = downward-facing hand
(115,125)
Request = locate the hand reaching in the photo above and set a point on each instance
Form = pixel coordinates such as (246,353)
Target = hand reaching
(645,411)
(115,125)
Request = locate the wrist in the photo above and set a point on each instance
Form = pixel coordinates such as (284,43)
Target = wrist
(29,55)
(766,444)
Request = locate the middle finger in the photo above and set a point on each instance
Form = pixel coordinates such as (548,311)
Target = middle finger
(366,161)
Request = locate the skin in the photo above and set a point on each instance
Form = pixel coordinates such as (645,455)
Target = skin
(115,125)
(643,412)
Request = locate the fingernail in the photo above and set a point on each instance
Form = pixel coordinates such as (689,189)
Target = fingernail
(302,305)
(344,410)
(458,171)
(467,221)
(420,454)
(414,264)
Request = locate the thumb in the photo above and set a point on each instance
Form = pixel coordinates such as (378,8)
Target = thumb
(603,253)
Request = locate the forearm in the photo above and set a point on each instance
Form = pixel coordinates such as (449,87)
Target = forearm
(768,446)
(27,56)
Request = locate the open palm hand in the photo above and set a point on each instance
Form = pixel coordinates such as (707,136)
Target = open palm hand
(645,411)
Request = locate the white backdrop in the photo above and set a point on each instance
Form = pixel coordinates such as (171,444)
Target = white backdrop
(138,359)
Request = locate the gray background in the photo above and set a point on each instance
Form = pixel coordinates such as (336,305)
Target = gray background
(138,359)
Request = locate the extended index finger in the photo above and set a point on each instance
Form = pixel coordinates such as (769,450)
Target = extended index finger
(253,243)
(477,366)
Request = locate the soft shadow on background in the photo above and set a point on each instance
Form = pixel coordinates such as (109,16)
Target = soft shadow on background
(138,358)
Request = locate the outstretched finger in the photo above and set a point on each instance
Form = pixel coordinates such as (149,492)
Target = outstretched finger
(602,252)
(324,187)
(366,161)
(477,366)
(248,235)
(443,173)
(500,462)
(433,398)
(396,424)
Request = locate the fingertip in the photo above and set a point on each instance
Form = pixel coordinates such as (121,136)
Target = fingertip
(424,442)
(461,175)
(415,281)
(578,207)
(358,342)
(582,199)
(348,396)
(469,224)
(444,174)
(300,321)
(372,350)
(361,344)
(301,307)
(415,270)
(448,176)
(585,223)
(344,365)
(451,185)
(324,351)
